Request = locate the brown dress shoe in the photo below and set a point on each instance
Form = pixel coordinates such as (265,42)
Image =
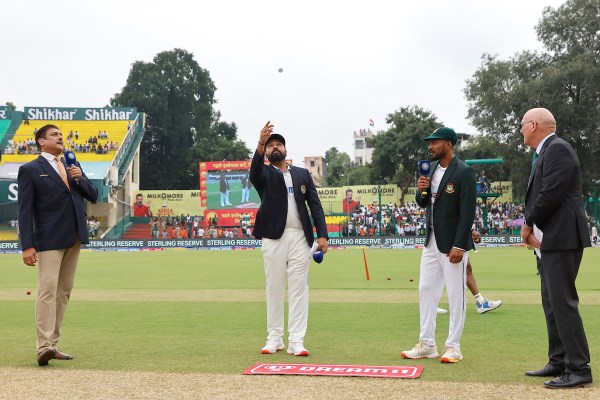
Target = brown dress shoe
(59,355)
(44,356)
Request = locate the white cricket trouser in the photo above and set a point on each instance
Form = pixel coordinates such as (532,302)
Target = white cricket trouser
(287,256)
(436,269)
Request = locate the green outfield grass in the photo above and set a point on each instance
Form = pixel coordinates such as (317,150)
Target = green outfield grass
(204,311)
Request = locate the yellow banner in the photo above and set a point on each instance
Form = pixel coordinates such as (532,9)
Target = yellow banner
(344,199)
(164,203)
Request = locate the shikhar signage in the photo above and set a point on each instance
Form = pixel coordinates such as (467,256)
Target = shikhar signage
(81,114)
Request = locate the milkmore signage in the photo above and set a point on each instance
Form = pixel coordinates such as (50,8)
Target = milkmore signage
(4,112)
(81,114)
(238,243)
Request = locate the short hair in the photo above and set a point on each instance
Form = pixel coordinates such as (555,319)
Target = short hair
(41,133)
(138,195)
(349,190)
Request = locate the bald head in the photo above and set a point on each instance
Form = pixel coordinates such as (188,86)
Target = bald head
(536,124)
(542,116)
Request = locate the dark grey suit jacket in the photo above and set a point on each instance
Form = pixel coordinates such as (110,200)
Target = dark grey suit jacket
(553,201)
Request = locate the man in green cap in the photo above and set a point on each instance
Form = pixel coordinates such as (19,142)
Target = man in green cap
(449,195)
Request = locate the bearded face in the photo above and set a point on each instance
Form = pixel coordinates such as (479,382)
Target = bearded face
(277,155)
(276,151)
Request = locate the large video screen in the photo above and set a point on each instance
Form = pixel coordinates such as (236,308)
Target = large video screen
(227,193)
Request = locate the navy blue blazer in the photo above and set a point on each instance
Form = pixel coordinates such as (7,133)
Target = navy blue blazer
(272,214)
(51,217)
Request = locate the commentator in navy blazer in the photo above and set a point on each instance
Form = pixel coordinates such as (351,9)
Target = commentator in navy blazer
(56,218)
(272,214)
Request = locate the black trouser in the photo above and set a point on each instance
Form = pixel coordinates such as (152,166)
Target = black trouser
(567,343)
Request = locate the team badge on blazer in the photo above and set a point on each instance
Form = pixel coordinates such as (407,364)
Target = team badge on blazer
(450,188)
(303,189)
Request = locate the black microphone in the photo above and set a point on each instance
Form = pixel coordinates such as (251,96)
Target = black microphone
(424,166)
(71,160)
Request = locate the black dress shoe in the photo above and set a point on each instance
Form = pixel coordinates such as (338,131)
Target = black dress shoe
(548,370)
(59,355)
(568,381)
(44,356)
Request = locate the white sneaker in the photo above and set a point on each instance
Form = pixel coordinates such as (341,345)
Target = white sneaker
(272,346)
(442,310)
(451,355)
(297,349)
(421,350)
(487,305)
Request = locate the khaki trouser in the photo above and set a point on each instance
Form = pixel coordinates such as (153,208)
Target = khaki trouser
(55,281)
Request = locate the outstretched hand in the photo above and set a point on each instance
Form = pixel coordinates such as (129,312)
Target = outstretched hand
(265,133)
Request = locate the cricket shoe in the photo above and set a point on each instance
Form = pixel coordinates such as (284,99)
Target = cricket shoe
(421,350)
(442,310)
(297,349)
(487,305)
(451,355)
(272,346)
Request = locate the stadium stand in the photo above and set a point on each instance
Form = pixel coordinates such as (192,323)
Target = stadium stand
(90,140)
(105,145)
(138,231)
(8,234)
(334,222)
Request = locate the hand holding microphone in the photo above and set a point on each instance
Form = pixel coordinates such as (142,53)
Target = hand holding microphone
(74,170)
(423,182)
(317,253)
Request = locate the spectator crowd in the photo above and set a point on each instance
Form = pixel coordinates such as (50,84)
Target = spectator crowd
(71,141)
(408,219)
(191,227)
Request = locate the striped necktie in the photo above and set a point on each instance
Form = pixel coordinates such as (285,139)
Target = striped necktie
(63,172)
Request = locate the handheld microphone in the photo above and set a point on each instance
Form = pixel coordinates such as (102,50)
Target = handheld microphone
(424,166)
(71,160)
(317,254)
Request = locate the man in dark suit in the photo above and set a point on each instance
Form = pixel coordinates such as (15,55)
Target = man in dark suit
(53,225)
(224,189)
(284,225)
(555,226)
(450,198)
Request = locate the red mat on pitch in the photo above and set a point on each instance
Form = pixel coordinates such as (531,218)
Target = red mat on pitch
(375,371)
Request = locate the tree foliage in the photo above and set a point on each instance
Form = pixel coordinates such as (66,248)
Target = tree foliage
(341,171)
(564,78)
(360,174)
(398,150)
(338,167)
(182,127)
(484,147)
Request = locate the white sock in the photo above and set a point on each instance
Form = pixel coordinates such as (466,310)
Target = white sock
(479,298)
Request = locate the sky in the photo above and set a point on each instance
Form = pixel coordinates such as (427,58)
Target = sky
(344,62)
